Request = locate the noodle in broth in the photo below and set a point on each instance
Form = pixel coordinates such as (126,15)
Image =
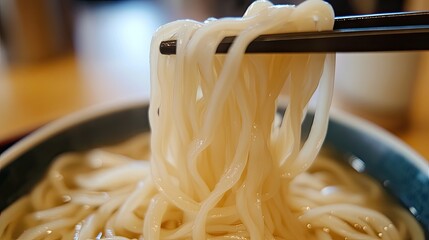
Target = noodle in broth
(220,167)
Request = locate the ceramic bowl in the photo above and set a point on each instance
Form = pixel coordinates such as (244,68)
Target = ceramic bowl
(375,152)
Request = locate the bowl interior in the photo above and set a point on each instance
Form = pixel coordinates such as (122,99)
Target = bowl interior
(22,172)
(404,174)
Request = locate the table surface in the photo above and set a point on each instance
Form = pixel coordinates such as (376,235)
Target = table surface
(110,63)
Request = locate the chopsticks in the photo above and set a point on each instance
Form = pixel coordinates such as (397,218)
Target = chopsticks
(363,33)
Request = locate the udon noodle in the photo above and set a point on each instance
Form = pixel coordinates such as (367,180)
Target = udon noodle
(222,165)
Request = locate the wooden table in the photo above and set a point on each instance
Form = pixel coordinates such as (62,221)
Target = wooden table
(417,132)
(109,65)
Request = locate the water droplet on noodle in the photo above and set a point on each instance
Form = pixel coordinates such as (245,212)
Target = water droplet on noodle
(328,190)
(306,208)
(58,176)
(66,198)
(357,226)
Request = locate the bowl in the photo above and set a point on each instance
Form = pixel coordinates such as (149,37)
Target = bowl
(373,151)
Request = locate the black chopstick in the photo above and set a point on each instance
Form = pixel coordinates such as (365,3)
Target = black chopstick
(383,20)
(403,31)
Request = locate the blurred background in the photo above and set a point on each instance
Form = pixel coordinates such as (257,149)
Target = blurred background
(61,56)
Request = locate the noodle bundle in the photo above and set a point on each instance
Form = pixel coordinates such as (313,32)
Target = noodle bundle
(222,165)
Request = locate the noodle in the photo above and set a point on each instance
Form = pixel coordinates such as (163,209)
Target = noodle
(220,167)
